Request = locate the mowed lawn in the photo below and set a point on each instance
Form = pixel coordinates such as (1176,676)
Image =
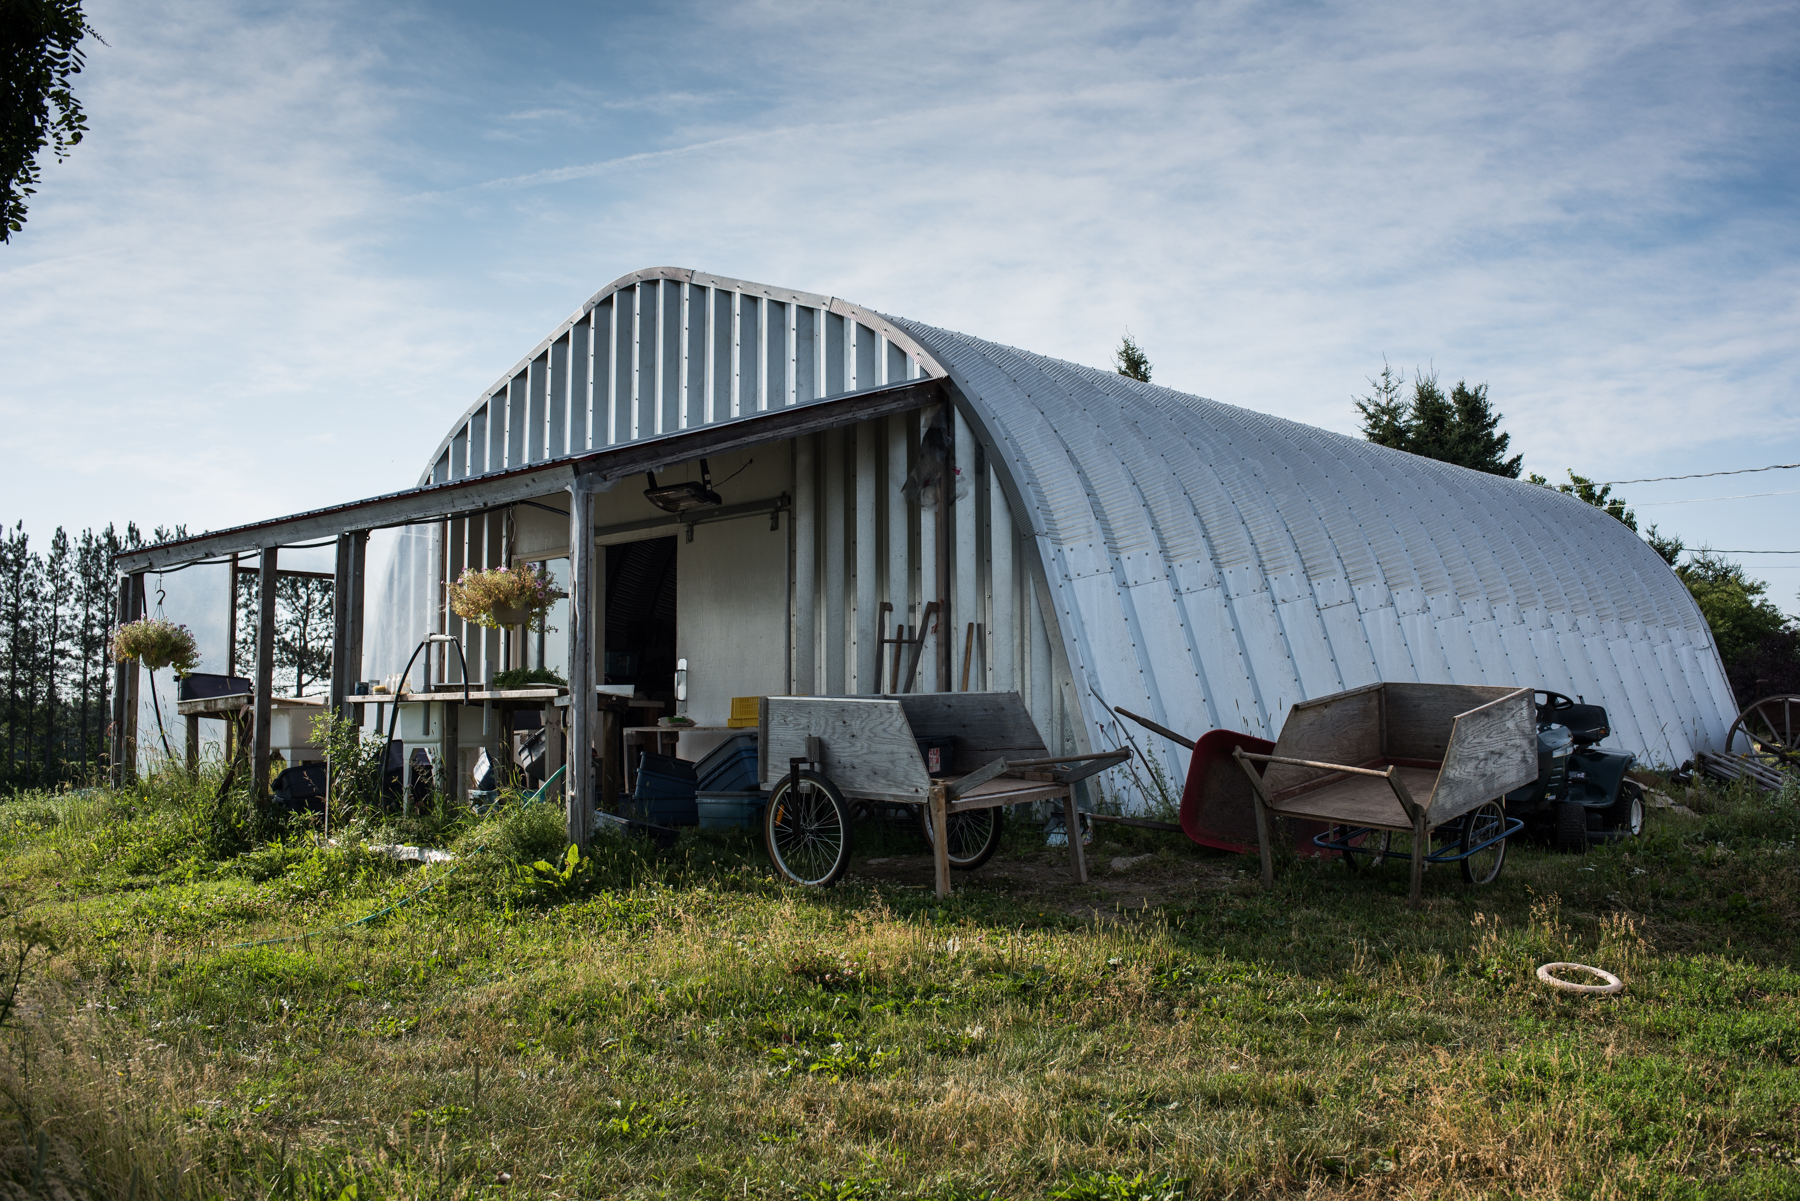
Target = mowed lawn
(673,1023)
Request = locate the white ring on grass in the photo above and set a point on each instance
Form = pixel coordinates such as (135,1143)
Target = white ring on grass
(1613,983)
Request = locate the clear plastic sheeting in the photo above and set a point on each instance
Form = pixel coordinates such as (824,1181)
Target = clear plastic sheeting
(404,595)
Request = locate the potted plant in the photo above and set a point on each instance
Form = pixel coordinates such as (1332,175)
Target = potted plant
(157,642)
(501,596)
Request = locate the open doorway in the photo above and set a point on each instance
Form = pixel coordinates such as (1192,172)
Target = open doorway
(640,617)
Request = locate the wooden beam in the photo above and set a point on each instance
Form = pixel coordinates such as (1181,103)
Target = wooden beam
(359,557)
(265,682)
(134,678)
(584,718)
(117,767)
(340,626)
(476,494)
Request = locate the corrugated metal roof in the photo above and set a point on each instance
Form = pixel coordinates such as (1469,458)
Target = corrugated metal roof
(1207,565)
(1245,562)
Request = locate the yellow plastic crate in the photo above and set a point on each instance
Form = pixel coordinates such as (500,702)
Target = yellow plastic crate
(744,711)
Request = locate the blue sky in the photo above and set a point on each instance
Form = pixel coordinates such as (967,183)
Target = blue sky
(302,237)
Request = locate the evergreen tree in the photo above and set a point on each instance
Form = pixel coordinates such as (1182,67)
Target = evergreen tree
(1459,428)
(1132,362)
(55,602)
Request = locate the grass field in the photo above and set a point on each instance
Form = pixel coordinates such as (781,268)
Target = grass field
(675,1024)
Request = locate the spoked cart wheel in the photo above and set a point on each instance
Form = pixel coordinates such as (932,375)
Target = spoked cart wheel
(1770,730)
(974,835)
(1480,826)
(806,828)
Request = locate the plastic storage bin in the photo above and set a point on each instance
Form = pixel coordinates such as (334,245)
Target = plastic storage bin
(729,767)
(663,793)
(730,810)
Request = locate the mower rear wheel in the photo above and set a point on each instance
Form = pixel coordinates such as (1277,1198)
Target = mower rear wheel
(1571,827)
(1625,816)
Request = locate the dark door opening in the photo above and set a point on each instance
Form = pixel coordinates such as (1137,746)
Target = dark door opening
(640,617)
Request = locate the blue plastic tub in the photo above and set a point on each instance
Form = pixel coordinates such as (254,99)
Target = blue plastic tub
(741,810)
(729,767)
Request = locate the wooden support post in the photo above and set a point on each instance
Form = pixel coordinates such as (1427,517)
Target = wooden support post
(1072,822)
(940,839)
(1259,803)
(553,742)
(193,744)
(1421,844)
(456,780)
(581,795)
(134,680)
(119,767)
(353,648)
(266,583)
(340,626)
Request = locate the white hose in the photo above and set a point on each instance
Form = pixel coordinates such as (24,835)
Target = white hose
(1613,984)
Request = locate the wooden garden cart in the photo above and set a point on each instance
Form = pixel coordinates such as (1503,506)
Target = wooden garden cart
(819,753)
(1423,760)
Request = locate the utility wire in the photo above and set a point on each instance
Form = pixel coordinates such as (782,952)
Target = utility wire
(1694,500)
(1658,479)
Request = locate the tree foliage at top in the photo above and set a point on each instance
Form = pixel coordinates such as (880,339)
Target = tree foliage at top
(1132,362)
(1459,428)
(40,52)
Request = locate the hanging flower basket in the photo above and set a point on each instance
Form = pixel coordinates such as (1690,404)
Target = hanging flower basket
(500,597)
(157,642)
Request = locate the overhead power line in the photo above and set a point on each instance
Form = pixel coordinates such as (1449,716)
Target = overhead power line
(1694,500)
(1659,479)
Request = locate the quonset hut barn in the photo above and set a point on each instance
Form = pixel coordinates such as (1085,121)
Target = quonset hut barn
(889,506)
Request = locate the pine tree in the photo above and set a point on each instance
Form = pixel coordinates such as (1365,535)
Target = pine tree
(54,606)
(1459,428)
(1132,362)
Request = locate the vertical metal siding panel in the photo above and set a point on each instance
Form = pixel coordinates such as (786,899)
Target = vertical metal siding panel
(750,397)
(777,354)
(806,354)
(862,350)
(580,384)
(836,585)
(834,354)
(644,373)
(518,410)
(863,625)
(696,355)
(899,541)
(600,375)
(459,454)
(537,418)
(478,425)
(931,587)
(964,531)
(1003,620)
(624,359)
(668,381)
(496,433)
(724,345)
(806,581)
(896,364)
(1043,694)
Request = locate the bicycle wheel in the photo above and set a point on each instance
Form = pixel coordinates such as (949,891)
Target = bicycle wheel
(974,835)
(806,828)
(1478,826)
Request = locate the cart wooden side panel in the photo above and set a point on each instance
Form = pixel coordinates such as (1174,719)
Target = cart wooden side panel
(1419,717)
(1492,750)
(866,744)
(986,725)
(1345,727)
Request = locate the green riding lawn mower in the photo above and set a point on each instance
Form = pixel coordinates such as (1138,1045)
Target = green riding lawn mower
(1582,794)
